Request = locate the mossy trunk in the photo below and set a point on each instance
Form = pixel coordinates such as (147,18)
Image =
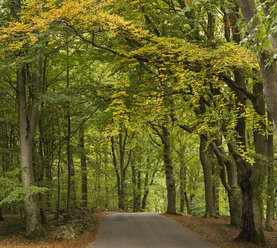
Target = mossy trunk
(235,206)
(207,171)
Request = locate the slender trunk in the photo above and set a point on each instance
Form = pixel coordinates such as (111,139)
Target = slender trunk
(59,182)
(134,182)
(227,29)
(211,26)
(71,192)
(116,170)
(147,186)
(123,166)
(270,180)
(182,187)
(84,186)
(215,188)
(188,202)
(139,189)
(207,170)
(106,183)
(170,181)
(1,216)
(122,142)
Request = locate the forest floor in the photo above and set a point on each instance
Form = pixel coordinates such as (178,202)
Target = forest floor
(217,231)
(12,230)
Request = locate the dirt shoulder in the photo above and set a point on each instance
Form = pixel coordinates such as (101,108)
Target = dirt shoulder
(219,231)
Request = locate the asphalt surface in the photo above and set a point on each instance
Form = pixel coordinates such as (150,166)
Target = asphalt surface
(145,230)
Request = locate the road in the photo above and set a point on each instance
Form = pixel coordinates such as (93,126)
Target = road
(145,230)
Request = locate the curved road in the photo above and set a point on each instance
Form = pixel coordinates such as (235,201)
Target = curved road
(145,230)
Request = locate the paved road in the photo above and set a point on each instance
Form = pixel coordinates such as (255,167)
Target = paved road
(145,230)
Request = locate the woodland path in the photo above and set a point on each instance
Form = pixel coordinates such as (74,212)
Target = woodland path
(145,230)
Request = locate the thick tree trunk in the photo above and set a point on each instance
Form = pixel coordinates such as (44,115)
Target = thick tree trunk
(26,133)
(252,191)
(170,181)
(269,76)
(252,229)
(235,206)
(207,171)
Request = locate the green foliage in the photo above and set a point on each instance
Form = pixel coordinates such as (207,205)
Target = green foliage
(12,191)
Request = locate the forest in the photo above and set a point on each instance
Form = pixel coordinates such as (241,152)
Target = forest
(141,106)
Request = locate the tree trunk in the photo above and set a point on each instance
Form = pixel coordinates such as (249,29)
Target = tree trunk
(147,186)
(139,189)
(207,171)
(269,76)
(270,181)
(268,69)
(84,186)
(252,190)
(71,191)
(59,183)
(134,184)
(170,181)
(1,216)
(182,188)
(123,166)
(215,188)
(26,133)
(188,203)
(235,206)
(116,170)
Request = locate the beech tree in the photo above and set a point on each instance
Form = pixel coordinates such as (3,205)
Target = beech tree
(122,82)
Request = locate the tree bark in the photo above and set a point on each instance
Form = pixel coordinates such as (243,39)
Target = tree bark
(170,181)
(182,188)
(270,180)
(26,133)
(207,170)
(121,169)
(71,190)
(136,205)
(147,186)
(59,182)
(1,216)
(84,186)
(268,69)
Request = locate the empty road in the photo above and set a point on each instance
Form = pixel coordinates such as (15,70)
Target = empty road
(145,230)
